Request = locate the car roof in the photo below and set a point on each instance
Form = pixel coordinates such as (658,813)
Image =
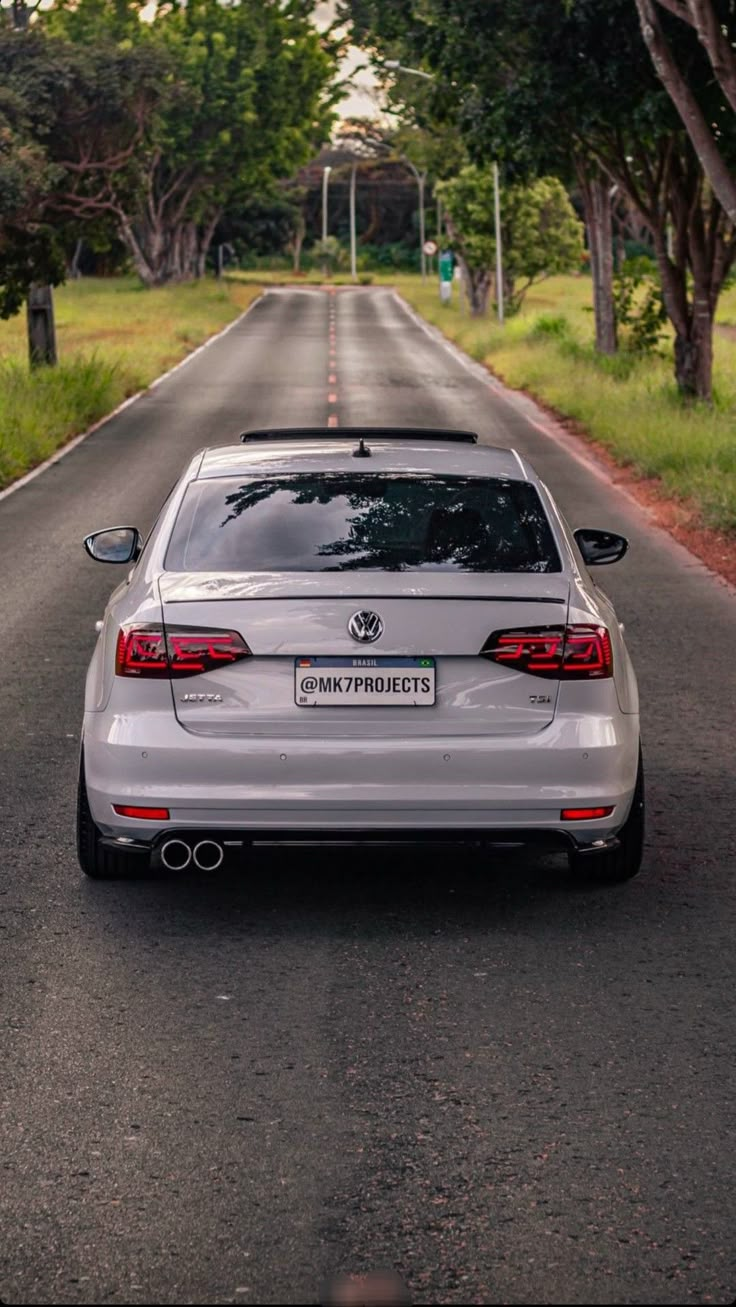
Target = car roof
(403,453)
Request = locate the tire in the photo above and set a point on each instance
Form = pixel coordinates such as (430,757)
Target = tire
(97,861)
(623,863)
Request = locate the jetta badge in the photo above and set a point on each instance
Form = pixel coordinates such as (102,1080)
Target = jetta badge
(365,627)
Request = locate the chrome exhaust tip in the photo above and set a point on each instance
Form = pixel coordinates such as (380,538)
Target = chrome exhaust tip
(208,855)
(176,855)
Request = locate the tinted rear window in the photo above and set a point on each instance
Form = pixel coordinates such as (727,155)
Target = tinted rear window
(338,523)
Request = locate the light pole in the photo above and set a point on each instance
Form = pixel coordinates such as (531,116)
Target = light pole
(499,254)
(402,68)
(417,72)
(353,240)
(421,179)
(325,183)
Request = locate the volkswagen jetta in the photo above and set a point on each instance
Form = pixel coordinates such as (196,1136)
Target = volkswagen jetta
(358,634)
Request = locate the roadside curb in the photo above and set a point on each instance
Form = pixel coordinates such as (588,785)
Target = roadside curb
(574,445)
(77,440)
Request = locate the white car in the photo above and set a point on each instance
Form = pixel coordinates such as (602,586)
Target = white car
(385,634)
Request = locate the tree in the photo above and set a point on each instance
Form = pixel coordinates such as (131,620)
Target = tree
(28,249)
(248,97)
(458,103)
(711,21)
(19,12)
(540,231)
(539,84)
(71,117)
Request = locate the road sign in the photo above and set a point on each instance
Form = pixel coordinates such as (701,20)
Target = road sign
(447,263)
(430,247)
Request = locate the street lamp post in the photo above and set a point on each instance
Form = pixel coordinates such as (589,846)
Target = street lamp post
(421,179)
(325,183)
(499,253)
(353,239)
(418,72)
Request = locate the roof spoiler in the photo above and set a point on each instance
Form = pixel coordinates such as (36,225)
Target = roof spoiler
(355,433)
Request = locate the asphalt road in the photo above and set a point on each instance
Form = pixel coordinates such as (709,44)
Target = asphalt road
(224,1090)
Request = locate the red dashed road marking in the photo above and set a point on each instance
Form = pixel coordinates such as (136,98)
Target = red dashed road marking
(332,397)
(332,420)
(332,378)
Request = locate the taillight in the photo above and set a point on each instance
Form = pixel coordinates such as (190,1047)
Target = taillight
(563,653)
(155,651)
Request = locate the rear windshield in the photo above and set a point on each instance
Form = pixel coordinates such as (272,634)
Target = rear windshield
(337,523)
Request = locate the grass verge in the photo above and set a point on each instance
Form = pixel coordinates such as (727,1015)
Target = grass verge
(627,404)
(114,339)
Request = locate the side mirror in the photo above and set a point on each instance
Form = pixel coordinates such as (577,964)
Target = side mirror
(598,547)
(118,544)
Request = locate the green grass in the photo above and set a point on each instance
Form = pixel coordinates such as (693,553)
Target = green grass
(630,405)
(114,338)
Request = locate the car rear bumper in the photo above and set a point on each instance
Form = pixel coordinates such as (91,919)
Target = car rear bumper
(498,785)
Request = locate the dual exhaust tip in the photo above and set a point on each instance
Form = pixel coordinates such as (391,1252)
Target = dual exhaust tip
(207,855)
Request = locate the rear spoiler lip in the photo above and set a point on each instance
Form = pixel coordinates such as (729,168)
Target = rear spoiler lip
(206,587)
(355,433)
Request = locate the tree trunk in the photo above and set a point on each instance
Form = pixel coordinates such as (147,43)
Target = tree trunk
(605,326)
(297,243)
(135,248)
(477,282)
(705,142)
(694,363)
(74,271)
(694,349)
(692,322)
(594,189)
(205,240)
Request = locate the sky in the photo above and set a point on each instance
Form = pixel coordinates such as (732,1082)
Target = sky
(361,101)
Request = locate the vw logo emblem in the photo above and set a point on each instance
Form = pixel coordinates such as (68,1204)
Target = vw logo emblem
(365,627)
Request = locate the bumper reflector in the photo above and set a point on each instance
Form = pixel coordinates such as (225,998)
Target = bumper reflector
(584,814)
(146,814)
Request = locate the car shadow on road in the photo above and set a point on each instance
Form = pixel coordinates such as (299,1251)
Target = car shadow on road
(377,891)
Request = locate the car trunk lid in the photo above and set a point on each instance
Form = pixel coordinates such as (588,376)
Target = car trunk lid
(442,617)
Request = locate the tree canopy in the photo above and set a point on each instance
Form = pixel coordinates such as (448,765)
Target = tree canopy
(247,97)
(566,86)
(156,127)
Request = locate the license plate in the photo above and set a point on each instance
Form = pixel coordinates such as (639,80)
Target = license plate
(364,682)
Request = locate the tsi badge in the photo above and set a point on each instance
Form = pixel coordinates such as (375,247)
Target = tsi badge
(540,698)
(201,698)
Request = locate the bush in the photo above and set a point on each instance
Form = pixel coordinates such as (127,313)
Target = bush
(329,254)
(639,307)
(551,324)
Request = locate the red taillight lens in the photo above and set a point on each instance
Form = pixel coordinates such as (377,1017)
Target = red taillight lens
(147,814)
(155,651)
(193,651)
(584,814)
(587,652)
(141,651)
(563,653)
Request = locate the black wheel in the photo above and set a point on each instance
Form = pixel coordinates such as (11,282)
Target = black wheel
(623,863)
(97,861)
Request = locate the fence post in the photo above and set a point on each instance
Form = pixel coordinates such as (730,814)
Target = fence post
(41,327)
